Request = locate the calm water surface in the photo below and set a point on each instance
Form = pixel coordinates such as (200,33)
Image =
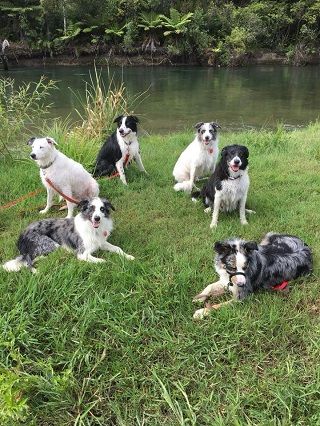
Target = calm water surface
(259,96)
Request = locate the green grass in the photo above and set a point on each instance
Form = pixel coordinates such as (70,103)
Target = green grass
(115,343)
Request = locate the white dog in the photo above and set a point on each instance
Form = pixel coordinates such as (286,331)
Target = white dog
(61,175)
(198,159)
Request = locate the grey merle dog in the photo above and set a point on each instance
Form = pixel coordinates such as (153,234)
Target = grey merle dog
(245,267)
(86,233)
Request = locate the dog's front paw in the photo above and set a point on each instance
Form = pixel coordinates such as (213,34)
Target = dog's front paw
(44,211)
(96,259)
(213,225)
(250,211)
(129,257)
(207,210)
(199,298)
(200,314)
(244,222)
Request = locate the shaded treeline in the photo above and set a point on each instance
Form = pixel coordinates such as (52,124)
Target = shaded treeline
(219,31)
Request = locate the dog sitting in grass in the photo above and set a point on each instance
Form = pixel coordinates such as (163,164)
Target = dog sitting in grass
(198,159)
(227,188)
(245,267)
(120,149)
(60,173)
(84,234)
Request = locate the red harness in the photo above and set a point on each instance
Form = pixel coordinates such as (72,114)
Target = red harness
(116,174)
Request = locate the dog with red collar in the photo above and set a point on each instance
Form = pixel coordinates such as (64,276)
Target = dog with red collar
(245,267)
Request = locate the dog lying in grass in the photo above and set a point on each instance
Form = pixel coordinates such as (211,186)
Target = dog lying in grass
(198,159)
(67,176)
(86,233)
(228,186)
(245,267)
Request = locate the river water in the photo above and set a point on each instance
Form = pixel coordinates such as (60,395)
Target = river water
(178,97)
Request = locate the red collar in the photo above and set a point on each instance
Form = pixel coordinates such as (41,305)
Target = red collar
(280,287)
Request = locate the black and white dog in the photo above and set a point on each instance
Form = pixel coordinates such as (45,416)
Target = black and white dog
(245,267)
(198,159)
(85,234)
(119,149)
(228,186)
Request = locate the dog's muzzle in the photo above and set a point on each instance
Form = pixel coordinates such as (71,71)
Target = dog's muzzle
(233,274)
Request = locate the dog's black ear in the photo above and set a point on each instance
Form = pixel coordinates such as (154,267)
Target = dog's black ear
(108,205)
(224,151)
(198,125)
(222,247)
(31,140)
(118,119)
(215,125)
(134,118)
(245,151)
(250,246)
(82,206)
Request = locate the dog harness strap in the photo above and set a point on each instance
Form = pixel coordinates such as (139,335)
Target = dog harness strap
(66,197)
(280,287)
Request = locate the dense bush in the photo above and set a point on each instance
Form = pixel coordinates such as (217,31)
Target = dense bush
(226,29)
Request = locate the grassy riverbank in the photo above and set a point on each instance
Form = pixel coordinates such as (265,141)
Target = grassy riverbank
(115,343)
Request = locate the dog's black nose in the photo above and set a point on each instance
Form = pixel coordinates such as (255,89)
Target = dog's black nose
(121,131)
(33,156)
(97,218)
(207,138)
(236,161)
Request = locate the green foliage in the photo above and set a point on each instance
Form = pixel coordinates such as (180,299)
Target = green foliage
(18,108)
(176,23)
(230,29)
(150,22)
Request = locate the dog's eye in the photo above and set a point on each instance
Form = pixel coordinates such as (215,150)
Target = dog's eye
(102,209)
(202,131)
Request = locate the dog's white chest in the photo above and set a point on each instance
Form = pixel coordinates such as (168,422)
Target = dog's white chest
(232,192)
(129,149)
(92,238)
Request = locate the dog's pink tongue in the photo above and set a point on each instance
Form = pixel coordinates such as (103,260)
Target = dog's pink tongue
(95,224)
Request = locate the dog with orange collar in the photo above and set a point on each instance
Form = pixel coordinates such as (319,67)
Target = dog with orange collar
(245,267)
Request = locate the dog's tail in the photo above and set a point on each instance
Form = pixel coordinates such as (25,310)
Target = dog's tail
(15,265)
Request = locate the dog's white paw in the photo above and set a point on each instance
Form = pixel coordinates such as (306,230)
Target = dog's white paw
(200,314)
(199,298)
(96,260)
(250,211)
(129,257)
(194,200)
(44,211)
(244,222)
(177,187)
(213,225)
(207,210)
